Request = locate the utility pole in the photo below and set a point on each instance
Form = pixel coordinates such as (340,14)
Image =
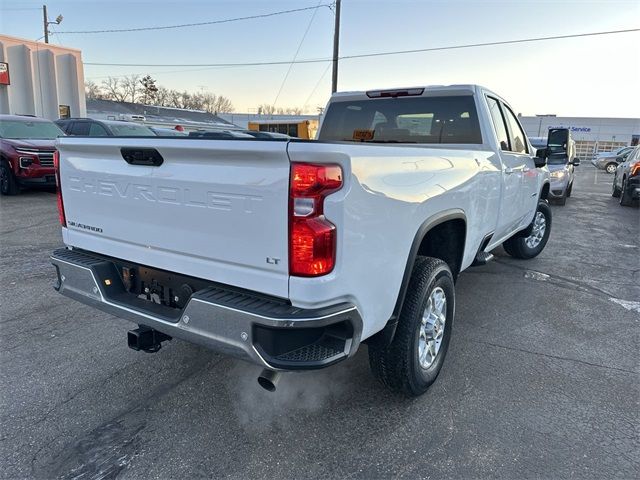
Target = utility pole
(336,44)
(46,24)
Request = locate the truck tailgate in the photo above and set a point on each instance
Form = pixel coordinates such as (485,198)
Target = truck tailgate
(214,209)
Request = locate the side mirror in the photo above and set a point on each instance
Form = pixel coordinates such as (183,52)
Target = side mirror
(575,162)
(540,159)
(558,138)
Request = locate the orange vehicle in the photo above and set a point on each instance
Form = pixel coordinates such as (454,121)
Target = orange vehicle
(300,128)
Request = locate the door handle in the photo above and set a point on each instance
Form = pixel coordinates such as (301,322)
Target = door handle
(526,169)
(508,170)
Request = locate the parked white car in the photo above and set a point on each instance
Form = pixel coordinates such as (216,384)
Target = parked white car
(291,254)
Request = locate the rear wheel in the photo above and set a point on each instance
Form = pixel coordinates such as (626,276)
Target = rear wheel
(530,246)
(8,183)
(611,168)
(412,362)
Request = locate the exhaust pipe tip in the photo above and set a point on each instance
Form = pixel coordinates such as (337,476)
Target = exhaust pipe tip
(268,379)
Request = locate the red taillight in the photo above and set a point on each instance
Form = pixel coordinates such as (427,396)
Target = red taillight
(56,165)
(312,238)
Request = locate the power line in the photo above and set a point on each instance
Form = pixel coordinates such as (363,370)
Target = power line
(365,55)
(295,56)
(19,9)
(306,102)
(199,24)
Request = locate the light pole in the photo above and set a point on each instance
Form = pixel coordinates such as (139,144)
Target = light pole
(336,45)
(540,123)
(46,23)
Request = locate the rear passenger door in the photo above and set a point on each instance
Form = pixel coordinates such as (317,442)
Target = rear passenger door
(513,164)
(524,159)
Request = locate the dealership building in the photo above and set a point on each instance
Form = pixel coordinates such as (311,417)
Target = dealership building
(592,135)
(40,79)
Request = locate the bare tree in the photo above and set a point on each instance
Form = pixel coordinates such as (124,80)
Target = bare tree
(134,89)
(291,111)
(92,90)
(131,87)
(181,99)
(162,97)
(113,89)
(222,105)
(266,109)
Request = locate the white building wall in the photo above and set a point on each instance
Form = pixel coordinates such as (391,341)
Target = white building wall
(70,93)
(592,135)
(21,90)
(586,129)
(43,77)
(45,85)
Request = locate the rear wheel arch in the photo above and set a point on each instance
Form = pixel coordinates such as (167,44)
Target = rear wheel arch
(453,224)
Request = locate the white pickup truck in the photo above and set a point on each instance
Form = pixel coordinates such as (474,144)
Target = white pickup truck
(290,254)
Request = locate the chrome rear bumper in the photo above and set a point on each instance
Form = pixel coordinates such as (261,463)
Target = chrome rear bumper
(246,325)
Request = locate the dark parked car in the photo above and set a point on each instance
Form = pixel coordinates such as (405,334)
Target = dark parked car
(626,180)
(167,132)
(88,127)
(219,134)
(27,145)
(267,135)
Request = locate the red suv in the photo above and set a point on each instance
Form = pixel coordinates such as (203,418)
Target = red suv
(26,152)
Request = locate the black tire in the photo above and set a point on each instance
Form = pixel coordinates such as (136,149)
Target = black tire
(615,191)
(626,200)
(398,365)
(8,183)
(569,190)
(610,168)
(518,247)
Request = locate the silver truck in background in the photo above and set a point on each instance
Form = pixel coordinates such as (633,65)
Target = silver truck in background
(561,162)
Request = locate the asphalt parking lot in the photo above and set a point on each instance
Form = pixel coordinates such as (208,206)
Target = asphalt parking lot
(541,378)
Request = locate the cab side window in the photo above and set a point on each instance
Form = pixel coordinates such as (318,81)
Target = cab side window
(518,139)
(498,123)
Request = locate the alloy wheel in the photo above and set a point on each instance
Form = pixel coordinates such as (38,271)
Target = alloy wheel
(537,233)
(432,327)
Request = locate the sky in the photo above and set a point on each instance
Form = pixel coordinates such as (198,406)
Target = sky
(593,76)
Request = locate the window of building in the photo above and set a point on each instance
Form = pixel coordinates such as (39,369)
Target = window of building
(64,111)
